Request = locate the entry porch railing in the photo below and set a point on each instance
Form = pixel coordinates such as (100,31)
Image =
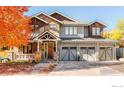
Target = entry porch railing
(21,56)
(24,56)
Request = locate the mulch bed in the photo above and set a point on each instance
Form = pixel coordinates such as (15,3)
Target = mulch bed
(21,68)
(15,68)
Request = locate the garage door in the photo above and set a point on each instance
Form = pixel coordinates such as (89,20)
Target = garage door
(69,54)
(106,54)
(87,53)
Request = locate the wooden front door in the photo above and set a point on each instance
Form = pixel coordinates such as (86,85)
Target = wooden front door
(48,50)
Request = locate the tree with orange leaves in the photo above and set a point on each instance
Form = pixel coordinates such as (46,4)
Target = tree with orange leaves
(14,26)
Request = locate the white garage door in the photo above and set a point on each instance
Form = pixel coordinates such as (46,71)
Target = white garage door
(69,54)
(87,53)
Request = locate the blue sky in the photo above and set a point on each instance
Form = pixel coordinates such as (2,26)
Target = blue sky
(109,15)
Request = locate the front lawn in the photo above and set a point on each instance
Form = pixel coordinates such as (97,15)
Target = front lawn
(22,68)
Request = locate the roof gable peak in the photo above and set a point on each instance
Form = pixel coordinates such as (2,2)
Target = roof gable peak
(36,15)
(69,18)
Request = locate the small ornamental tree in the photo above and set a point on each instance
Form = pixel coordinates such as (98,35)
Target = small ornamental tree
(14,26)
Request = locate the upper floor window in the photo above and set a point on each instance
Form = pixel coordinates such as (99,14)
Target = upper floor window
(95,31)
(66,30)
(52,26)
(75,30)
(71,30)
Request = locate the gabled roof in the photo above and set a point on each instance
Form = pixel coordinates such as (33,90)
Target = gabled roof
(53,34)
(47,16)
(98,22)
(40,19)
(63,16)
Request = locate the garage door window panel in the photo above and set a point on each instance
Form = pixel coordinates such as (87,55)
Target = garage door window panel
(64,55)
(73,54)
(84,53)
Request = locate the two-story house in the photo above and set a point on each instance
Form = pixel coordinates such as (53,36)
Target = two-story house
(69,39)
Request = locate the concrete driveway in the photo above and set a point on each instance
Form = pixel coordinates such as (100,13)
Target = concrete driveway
(83,68)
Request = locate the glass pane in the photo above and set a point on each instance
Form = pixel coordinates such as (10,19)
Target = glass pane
(93,31)
(75,30)
(66,30)
(98,31)
(71,30)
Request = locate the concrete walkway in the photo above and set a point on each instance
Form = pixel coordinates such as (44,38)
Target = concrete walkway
(82,68)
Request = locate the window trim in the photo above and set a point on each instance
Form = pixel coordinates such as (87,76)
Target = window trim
(75,30)
(95,31)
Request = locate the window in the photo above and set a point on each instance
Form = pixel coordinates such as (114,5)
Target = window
(86,32)
(95,31)
(98,31)
(71,30)
(75,30)
(53,26)
(66,30)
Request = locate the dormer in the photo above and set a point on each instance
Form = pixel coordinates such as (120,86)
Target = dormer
(95,28)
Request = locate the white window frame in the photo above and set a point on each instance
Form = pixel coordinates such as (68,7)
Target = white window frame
(53,25)
(95,31)
(66,30)
(98,31)
(75,31)
(71,30)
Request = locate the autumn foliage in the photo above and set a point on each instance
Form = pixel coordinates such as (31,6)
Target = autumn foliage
(113,34)
(14,26)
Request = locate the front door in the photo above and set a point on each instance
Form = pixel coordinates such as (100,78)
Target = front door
(47,50)
(50,50)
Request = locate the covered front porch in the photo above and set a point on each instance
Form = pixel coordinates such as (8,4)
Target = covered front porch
(45,44)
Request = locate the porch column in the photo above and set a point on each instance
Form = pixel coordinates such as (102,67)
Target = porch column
(97,48)
(38,45)
(56,46)
(58,52)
